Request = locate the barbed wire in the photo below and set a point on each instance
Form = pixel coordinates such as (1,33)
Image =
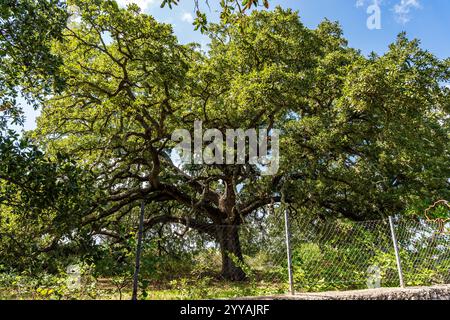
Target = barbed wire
(440,221)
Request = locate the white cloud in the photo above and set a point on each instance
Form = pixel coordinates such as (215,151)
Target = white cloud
(143,4)
(403,9)
(187,17)
(361,3)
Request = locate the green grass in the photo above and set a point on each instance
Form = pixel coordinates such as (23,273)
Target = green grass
(174,290)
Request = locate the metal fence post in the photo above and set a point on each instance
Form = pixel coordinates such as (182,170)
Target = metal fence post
(138,252)
(397,254)
(288,249)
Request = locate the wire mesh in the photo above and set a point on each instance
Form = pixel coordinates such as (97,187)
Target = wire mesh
(424,251)
(182,262)
(343,255)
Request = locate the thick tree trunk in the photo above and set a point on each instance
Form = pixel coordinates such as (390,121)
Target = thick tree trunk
(230,248)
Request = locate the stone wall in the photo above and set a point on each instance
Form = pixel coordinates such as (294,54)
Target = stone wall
(419,293)
(441,292)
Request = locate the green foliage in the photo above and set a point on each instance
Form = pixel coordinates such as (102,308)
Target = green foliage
(45,286)
(229,10)
(27,66)
(41,200)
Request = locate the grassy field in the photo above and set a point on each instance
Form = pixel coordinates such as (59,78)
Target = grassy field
(109,289)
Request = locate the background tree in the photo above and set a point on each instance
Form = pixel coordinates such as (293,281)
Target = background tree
(41,201)
(27,67)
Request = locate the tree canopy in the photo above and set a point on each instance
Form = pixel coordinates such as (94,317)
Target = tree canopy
(361,137)
(28,68)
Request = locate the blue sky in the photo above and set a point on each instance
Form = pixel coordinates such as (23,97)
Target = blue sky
(427,20)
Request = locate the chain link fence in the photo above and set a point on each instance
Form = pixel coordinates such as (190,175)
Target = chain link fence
(182,263)
(337,255)
(359,255)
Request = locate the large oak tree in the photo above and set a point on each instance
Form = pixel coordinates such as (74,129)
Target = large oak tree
(362,137)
